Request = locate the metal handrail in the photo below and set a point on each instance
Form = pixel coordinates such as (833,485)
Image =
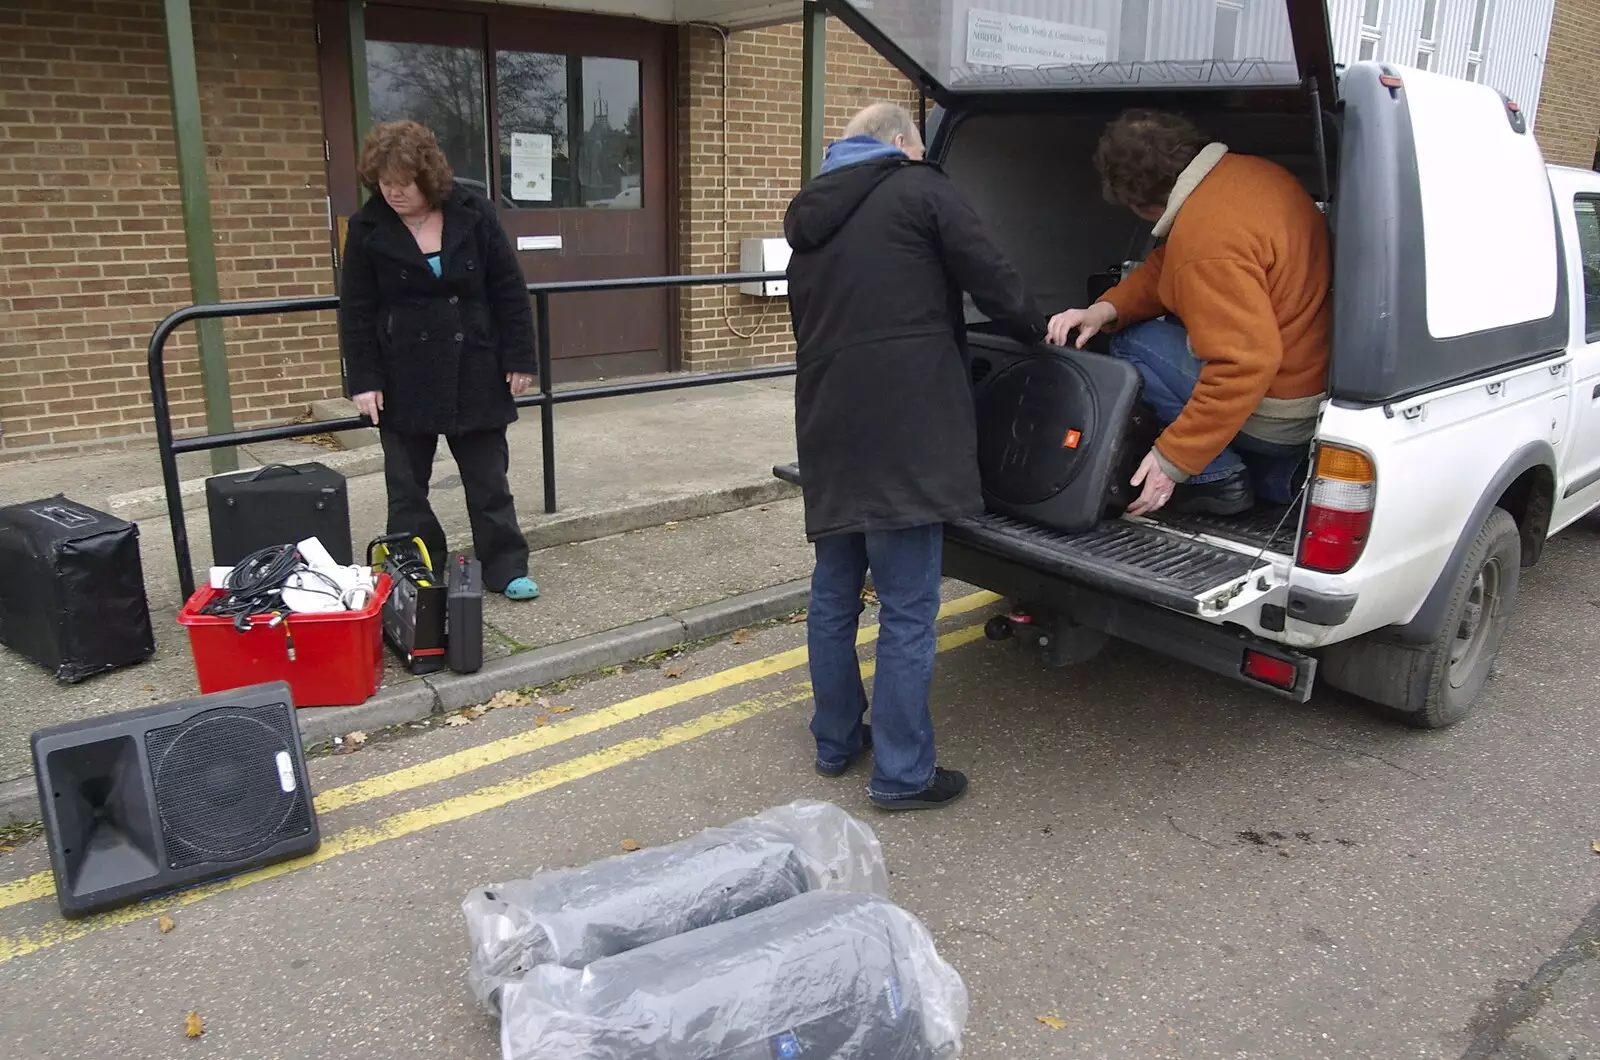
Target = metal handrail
(546,398)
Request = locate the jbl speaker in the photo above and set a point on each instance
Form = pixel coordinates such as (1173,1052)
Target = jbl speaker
(1060,433)
(72,589)
(278,505)
(150,800)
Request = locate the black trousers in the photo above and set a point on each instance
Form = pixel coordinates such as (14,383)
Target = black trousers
(483,459)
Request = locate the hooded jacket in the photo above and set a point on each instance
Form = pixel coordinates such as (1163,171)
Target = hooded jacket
(881,250)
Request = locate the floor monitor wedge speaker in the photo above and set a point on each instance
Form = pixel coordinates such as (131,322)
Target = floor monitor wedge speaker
(1061,432)
(150,800)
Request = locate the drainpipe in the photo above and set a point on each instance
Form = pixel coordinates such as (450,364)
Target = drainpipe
(813,81)
(360,105)
(189,136)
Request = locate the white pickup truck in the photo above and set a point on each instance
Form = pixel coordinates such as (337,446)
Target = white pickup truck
(1463,425)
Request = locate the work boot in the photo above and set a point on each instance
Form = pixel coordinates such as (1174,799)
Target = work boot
(1228,496)
(947,786)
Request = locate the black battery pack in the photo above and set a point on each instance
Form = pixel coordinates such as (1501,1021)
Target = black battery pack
(414,614)
(464,616)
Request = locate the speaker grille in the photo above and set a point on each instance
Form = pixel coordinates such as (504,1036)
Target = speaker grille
(218,785)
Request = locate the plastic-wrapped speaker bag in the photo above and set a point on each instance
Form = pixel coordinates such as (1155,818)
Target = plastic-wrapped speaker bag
(573,917)
(824,976)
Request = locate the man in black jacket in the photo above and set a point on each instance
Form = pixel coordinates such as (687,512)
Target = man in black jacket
(883,246)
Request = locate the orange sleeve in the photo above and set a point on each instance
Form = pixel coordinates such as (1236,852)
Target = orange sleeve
(1135,298)
(1233,330)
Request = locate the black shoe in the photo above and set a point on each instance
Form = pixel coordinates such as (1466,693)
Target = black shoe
(947,787)
(836,771)
(1229,496)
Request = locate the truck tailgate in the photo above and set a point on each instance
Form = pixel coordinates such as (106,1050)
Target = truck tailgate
(1134,560)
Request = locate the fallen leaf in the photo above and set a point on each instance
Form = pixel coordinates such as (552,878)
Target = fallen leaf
(630,845)
(6,848)
(1595,846)
(669,525)
(1055,1023)
(193,1025)
(149,688)
(508,698)
(540,720)
(356,739)
(869,598)
(474,713)
(677,669)
(165,924)
(740,636)
(797,617)
(562,710)
(455,721)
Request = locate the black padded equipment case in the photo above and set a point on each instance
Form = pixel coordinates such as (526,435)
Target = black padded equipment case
(72,589)
(1060,432)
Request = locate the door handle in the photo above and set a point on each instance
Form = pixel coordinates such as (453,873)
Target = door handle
(1595,395)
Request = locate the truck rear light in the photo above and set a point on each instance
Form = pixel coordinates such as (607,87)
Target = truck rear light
(1339,515)
(1269,669)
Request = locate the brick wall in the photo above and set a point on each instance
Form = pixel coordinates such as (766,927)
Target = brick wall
(1568,122)
(91,236)
(722,329)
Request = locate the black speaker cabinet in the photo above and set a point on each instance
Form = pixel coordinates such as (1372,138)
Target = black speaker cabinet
(158,798)
(279,504)
(1060,432)
(72,589)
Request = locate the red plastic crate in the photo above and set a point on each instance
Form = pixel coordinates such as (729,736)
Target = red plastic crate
(338,657)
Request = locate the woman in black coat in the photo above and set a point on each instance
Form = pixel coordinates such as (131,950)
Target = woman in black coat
(437,332)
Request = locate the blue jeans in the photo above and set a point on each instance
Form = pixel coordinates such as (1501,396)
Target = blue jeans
(1170,370)
(906,566)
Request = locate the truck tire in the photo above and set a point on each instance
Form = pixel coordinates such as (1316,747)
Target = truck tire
(1433,686)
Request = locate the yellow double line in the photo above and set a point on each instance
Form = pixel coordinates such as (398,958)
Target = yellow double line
(448,766)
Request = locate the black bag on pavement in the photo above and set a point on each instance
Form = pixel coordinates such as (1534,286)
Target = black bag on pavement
(279,504)
(72,589)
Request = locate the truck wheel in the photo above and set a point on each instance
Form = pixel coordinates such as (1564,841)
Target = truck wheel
(1435,685)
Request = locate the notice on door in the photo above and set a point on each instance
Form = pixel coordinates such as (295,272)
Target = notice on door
(530,167)
(995,39)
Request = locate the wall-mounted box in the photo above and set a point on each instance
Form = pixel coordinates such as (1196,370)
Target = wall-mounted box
(764,255)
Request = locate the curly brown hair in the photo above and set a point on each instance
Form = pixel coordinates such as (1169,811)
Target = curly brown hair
(1141,155)
(405,150)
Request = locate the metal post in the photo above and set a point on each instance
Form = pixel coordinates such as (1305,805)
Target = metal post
(813,90)
(547,410)
(169,459)
(360,104)
(189,135)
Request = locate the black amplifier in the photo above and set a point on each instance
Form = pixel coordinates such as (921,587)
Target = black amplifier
(279,504)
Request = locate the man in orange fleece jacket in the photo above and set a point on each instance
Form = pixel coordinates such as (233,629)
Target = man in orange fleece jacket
(1228,322)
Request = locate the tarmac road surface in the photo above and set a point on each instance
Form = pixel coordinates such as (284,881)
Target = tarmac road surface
(1151,863)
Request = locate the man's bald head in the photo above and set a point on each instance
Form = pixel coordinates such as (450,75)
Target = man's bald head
(887,123)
